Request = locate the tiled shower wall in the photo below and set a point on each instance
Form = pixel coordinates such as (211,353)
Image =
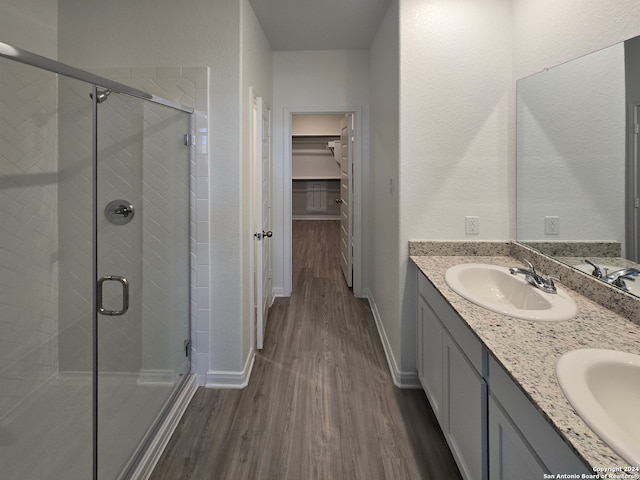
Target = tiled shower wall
(187,86)
(135,340)
(44,331)
(28,231)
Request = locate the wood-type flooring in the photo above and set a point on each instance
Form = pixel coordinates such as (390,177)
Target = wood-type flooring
(320,403)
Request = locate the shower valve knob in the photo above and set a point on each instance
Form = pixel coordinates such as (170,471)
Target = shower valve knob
(124,210)
(119,212)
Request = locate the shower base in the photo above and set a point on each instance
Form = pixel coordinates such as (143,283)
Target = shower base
(49,436)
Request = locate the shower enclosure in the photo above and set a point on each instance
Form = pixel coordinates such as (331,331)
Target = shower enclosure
(94,270)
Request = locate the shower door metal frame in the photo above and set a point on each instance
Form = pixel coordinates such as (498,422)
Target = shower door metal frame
(35,60)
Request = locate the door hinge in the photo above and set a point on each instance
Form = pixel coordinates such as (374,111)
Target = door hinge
(189,140)
(636,202)
(187,348)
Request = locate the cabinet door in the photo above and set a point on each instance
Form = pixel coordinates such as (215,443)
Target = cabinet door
(465,404)
(430,333)
(510,456)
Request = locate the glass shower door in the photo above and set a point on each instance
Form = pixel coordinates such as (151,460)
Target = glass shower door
(142,272)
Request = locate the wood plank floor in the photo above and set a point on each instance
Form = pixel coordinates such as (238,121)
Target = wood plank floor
(320,403)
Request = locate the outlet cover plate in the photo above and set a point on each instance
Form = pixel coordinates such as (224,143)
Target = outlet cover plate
(552,225)
(472,225)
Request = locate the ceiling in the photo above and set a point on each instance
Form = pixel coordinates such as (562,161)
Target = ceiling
(320,24)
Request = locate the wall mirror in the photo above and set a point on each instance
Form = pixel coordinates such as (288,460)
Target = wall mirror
(577,155)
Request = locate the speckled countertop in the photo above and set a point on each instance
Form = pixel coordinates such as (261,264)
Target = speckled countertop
(528,351)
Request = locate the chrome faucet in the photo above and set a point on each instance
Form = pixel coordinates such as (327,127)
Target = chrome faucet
(597,271)
(544,283)
(618,277)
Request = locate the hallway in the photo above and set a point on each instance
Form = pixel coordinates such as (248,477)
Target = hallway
(320,402)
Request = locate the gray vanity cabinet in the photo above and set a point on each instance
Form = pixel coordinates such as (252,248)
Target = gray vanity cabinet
(510,455)
(451,363)
(520,439)
(493,430)
(430,355)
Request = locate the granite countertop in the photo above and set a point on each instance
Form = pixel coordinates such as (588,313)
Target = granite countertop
(528,350)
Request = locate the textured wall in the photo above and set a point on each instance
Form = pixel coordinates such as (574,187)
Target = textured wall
(256,64)
(455,113)
(383,283)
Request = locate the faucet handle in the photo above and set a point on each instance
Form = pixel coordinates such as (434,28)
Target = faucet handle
(597,271)
(529,264)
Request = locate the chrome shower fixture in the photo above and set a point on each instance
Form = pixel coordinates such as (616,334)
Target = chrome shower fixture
(102,95)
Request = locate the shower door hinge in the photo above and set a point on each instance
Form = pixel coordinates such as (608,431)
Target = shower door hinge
(187,348)
(189,140)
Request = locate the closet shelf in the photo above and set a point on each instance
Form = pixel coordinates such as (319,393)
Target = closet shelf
(315,178)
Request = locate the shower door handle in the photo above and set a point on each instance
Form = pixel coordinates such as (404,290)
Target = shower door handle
(125,295)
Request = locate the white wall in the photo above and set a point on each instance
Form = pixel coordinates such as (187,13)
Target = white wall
(307,81)
(257,74)
(327,125)
(386,250)
(455,114)
(31,25)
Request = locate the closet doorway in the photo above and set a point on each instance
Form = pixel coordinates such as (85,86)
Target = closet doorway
(324,157)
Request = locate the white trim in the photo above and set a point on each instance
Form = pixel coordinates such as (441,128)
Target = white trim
(154,451)
(357,185)
(315,217)
(400,379)
(253,111)
(218,379)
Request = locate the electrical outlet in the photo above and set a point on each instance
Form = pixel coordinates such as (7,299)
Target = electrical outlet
(552,225)
(472,225)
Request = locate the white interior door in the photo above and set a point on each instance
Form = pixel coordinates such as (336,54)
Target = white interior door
(262,217)
(346,197)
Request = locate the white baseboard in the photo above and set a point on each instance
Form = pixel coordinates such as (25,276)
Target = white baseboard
(401,379)
(279,292)
(218,379)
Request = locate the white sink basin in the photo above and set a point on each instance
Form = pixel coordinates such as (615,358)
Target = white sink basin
(603,386)
(632,286)
(496,289)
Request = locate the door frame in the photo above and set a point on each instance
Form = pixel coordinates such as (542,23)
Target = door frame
(257,105)
(357,186)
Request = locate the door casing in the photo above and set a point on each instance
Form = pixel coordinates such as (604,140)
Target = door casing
(357,196)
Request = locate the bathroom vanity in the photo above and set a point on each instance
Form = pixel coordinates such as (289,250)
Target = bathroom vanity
(491,378)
